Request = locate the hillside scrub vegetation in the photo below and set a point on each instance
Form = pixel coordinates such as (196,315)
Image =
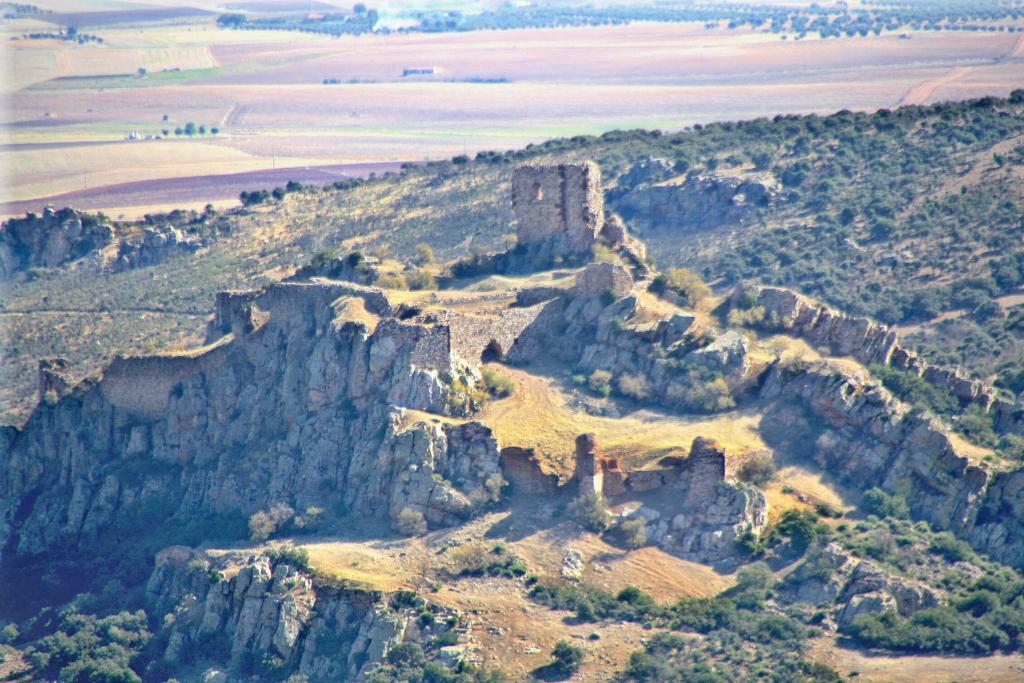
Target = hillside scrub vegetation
(873,211)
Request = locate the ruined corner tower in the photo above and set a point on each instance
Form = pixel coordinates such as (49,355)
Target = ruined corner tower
(559,208)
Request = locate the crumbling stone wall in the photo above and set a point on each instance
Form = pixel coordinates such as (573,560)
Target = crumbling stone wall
(232,313)
(473,334)
(560,204)
(521,468)
(600,278)
(142,385)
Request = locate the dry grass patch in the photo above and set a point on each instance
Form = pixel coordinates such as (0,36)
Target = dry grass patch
(917,668)
(798,488)
(365,564)
(538,415)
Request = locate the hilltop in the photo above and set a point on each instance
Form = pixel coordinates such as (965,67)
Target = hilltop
(905,216)
(347,479)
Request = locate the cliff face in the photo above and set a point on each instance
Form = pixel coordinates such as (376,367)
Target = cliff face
(304,410)
(864,437)
(700,203)
(273,615)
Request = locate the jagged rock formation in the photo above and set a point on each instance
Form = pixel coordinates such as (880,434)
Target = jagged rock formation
(273,613)
(830,576)
(862,338)
(61,237)
(303,410)
(587,329)
(701,202)
(863,436)
(50,240)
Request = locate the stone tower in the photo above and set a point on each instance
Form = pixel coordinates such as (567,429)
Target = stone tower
(559,208)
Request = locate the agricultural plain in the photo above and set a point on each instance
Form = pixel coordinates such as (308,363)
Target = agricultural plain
(282,100)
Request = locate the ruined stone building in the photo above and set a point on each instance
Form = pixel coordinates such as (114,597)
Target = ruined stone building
(559,207)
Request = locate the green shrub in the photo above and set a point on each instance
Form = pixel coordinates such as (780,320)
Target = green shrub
(410,522)
(566,657)
(600,382)
(878,502)
(497,383)
(950,547)
(633,386)
(758,469)
(290,554)
(634,532)
(591,511)
(416,280)
(392,281)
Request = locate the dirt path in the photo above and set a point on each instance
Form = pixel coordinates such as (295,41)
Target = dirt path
(920,93)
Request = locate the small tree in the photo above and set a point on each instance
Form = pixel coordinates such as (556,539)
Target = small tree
(190,129)
(178,131)
(420,279)
(633,386)
(9,633)
(591,511)
(758,470)
(566,657)
(424,253)
(202,130)
(389,281)
(634,532)
(214,130)
(410,522)
(494,484)
(600,382)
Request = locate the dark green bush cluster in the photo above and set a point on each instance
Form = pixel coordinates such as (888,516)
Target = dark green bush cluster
(500,563)
(671,658)
(290,554)
(878,502)
(86,649)
(945,629)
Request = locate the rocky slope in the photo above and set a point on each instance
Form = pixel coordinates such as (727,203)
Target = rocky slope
(304,410)
(84,241)
(271,616)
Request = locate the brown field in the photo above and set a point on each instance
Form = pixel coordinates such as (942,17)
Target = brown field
(137,198)
(918,668)
(264,90)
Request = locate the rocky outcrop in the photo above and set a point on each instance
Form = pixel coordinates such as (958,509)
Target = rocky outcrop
(701,202)
(829,576)
(688,508)
(153,245)
(709,514)
(50,240)
(61,237)
(273,614)
(679,366)
(869,342)
(858,432)
(304,410)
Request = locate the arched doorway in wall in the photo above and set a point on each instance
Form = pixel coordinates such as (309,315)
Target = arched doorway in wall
(492,352)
